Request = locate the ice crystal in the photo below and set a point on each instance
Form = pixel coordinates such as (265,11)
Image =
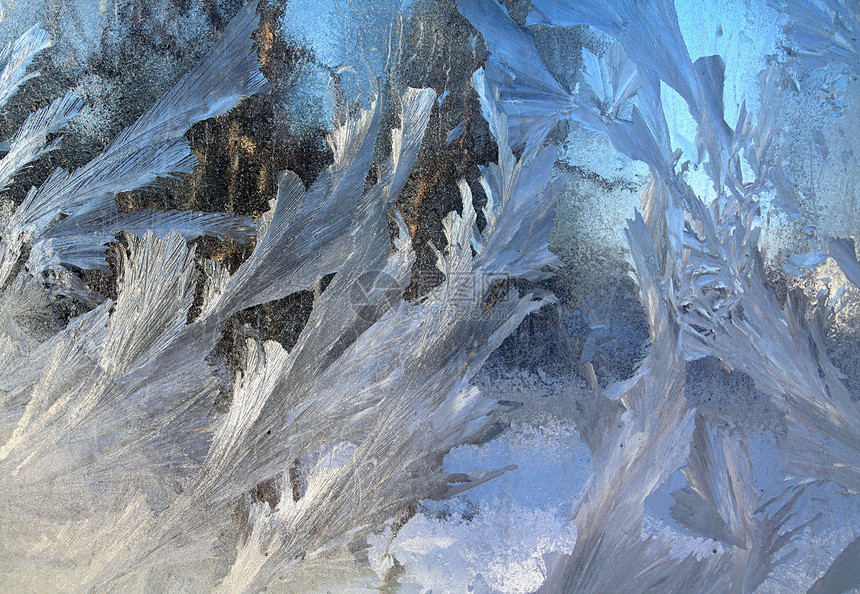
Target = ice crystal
(124,426)
(699,273)
(110,421)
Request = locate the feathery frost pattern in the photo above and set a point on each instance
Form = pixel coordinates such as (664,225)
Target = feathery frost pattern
(115,410)
(124,426)
(709,285)
(16,59)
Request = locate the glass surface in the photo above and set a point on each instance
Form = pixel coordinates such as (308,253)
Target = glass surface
(429,296)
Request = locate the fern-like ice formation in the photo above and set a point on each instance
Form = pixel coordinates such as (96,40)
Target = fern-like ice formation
(698,269)
(110,433)
(109,430)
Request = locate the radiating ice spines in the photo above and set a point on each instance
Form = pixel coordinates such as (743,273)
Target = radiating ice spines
(824,31)
(710,276)
(30,142)
(152,147)
(117,410)
(16,58)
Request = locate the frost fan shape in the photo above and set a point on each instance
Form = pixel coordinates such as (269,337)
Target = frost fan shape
(703,289)
(110,433)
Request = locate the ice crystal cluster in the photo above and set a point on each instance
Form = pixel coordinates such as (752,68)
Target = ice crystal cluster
(134,458)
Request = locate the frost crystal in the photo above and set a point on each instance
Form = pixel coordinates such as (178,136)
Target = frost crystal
(109,421)
(704,293)
(151,441)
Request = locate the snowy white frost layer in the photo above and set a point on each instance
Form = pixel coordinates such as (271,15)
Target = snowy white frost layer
(110,434)
(703,289)
(118,472)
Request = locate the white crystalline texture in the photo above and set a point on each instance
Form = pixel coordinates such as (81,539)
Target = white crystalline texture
(30,142)
(17,57)
(108,431)
(699,276)
(119,473)
(823,31)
